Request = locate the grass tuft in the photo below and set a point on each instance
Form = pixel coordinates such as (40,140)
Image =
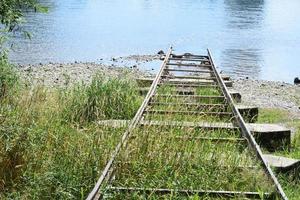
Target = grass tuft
(102,99)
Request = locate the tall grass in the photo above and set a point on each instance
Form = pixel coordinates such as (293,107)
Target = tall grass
(50,144)
(102,99)
(8,78)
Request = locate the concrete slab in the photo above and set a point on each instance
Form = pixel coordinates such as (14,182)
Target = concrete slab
(281,163)
(237,97)
(228,84)
(272,137)
(249,113)
(225,77)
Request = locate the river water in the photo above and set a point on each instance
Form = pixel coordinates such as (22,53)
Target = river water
(248,38)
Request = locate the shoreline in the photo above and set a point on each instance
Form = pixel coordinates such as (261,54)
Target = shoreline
(261,93)
(62,74)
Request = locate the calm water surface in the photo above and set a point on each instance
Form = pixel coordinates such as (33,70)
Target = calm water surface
(255,38)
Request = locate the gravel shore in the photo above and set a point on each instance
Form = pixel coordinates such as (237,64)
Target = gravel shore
(270,94)
(265,94)
(62,74)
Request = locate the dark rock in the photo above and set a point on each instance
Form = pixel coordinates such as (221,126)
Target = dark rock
(134,66)
(161,52)
(177,56)
(114,59)
(187,54)
(297,81)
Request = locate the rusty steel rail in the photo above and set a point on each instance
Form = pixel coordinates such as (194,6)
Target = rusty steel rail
(94,194)
(224,96)
(246,132)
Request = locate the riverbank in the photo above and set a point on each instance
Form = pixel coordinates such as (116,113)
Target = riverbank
(264,94)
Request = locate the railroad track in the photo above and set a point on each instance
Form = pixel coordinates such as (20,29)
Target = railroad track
(177,145)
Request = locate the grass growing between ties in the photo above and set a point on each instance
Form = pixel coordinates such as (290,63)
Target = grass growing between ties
(167,98)
(188,117)
(50,144)
(156,158)
(204,91)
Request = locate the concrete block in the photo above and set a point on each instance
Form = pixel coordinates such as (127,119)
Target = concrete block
(282,164)
(228,83)
(225,77)
(237,97)
(249,113)
(272,137)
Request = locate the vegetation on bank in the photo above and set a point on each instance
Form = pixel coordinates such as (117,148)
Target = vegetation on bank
(50,144)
